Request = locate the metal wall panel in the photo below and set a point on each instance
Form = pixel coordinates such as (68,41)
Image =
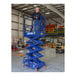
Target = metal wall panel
(15,18)
(14,34)
(14,25)
(21,20)
(49,21)
(20,27)
(17,24)
(20,34)
(28,22)
(15,12)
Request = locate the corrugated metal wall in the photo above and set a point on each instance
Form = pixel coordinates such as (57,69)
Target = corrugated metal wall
(17,24)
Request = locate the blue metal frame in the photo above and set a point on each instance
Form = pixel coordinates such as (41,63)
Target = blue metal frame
(32,60)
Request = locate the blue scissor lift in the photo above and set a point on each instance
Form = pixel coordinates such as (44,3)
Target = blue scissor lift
(32,60)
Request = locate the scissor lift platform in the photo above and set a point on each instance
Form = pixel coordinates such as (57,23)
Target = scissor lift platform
(33,55)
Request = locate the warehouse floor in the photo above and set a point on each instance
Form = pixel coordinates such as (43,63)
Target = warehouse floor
(54,64)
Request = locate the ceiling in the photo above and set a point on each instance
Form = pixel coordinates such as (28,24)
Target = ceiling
(30,8)
(48,13)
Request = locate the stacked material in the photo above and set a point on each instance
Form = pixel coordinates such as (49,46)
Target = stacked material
(51,45)
(54,45)
(50,28)
(21,53)
(61,29)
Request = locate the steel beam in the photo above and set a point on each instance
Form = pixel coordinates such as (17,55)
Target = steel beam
(54,10)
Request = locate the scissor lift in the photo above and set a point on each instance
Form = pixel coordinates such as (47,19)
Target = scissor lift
(32,60)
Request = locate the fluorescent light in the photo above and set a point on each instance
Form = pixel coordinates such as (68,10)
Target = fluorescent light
(24,8)
(47,13)
(35,5)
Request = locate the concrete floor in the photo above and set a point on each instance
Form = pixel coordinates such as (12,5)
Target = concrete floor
(54,64)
